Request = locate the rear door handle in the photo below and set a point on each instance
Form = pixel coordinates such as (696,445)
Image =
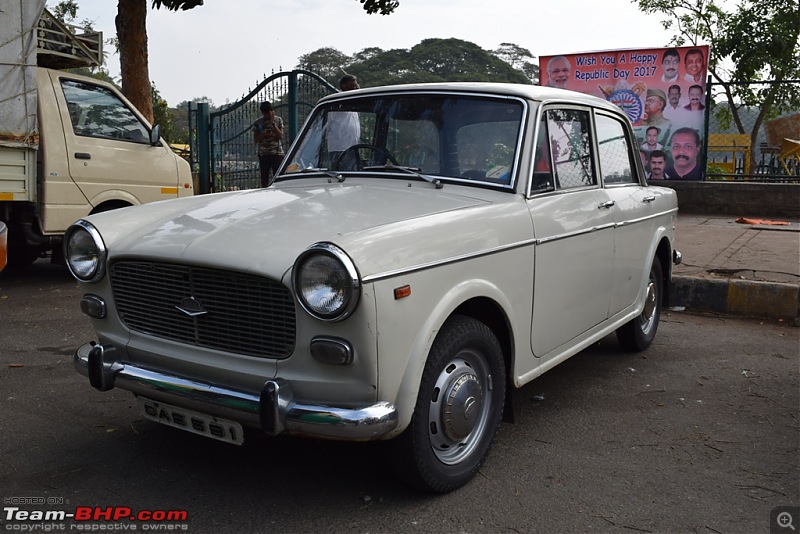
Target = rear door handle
(83,155)
(607,204)
(649,198)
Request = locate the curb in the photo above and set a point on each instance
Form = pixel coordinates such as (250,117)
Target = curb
(769,300)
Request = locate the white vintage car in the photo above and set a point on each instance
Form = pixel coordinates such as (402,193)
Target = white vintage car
(424,250)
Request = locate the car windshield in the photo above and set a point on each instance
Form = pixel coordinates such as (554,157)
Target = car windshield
(458,138)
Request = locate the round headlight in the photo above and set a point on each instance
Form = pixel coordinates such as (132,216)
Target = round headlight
(84,252)
(326,282)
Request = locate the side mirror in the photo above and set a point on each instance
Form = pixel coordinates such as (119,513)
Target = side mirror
(155,135)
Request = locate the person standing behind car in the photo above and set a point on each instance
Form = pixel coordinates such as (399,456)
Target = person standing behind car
(267,134)
(343,129)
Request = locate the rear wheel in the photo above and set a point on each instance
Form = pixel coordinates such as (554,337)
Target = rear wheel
(639,333)
(458,410)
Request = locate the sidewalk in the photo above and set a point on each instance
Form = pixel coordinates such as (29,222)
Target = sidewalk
(737,269)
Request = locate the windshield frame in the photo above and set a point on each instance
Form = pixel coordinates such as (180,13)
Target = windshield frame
(291,169)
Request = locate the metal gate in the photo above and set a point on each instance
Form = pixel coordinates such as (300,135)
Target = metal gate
(222,151)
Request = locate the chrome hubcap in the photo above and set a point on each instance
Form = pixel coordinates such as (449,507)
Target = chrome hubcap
(459,408)
(649,312)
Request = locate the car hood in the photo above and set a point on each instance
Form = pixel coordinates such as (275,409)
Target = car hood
(383,225)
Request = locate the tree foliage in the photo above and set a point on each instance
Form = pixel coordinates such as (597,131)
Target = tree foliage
(519,58)
(163,116)
(756,41)
(327,62)
(432,60)
(131,23)
(175,5)
(384,7)
(66,10)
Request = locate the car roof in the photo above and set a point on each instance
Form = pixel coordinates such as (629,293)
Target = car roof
(528,92)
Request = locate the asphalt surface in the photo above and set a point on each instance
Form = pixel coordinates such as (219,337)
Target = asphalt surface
(697,434)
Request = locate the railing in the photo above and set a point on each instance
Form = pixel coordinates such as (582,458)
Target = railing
(64,46)
(775,158)
(221,142)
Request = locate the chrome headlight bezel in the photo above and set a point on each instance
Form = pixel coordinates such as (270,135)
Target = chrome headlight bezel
(332,265)
(84,252)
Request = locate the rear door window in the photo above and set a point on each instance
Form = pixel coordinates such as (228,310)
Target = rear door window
(614,152)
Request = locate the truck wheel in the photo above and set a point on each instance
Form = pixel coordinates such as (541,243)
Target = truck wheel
(20,259)
(638,334)
(20,256)
(458,410)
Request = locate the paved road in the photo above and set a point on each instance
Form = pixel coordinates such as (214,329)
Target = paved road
(697,434)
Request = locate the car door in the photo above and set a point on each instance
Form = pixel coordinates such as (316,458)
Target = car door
(574,232)
(108,147)
(632,210)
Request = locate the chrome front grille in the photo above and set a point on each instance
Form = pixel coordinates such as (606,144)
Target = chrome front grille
(237,312)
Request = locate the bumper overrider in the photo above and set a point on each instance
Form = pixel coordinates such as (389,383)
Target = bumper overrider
(274,409)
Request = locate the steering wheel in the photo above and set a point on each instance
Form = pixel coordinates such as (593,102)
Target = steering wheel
(359,162)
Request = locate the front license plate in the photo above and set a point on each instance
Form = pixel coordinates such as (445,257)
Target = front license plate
(198,423)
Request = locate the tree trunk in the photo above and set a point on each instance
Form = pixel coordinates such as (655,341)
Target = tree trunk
(131,22)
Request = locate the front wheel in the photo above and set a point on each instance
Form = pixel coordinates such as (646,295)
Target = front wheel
(458,410)
(638,334)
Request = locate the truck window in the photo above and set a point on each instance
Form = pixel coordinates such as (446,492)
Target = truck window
(96,111)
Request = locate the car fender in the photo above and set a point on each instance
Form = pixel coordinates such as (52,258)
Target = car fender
(660,233)
(401,373)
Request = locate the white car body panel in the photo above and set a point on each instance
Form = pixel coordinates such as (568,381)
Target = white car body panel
(550,273)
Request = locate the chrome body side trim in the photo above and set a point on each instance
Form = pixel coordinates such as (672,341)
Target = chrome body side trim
(510,246)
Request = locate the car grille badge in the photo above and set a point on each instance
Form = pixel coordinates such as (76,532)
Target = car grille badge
(192,307)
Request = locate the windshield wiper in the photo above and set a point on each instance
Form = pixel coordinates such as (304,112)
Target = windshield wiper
(320,170)
(413,171)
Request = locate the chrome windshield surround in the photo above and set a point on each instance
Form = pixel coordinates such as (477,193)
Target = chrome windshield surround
(294,163)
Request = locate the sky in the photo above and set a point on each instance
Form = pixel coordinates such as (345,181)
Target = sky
(222,49)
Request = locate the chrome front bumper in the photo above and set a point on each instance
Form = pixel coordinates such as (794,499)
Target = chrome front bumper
(274,409)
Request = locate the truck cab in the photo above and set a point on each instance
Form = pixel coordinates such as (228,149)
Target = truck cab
(87,149)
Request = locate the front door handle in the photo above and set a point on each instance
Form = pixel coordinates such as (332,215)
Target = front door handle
(607,204)
(83,155)
(649,198)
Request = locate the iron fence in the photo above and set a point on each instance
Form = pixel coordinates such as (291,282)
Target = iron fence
(744,144)
(222,151)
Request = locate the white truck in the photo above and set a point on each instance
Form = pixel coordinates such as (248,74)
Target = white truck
(69,145)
